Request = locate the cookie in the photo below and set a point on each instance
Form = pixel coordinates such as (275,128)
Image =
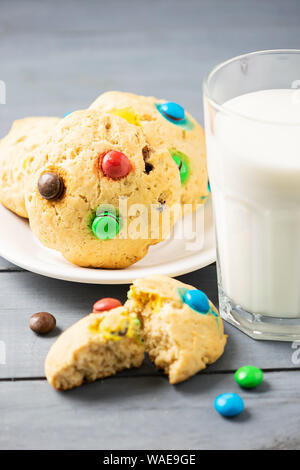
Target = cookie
(97,346)
(24,136)
(167,125)
(182,330)
(101,196)
(175,323)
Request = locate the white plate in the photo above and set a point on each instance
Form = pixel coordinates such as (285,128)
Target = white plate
(172,257)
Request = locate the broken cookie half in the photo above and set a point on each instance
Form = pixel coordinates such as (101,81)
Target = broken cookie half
(181,328)
(175,323)
(97,346)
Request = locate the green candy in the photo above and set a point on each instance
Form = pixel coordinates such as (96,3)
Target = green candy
(182,161)
(249,376)
(106,226)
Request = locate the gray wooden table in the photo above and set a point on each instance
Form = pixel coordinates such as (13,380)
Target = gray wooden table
(56,57)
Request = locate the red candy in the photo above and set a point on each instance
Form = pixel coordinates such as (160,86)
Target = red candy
(107,303)
(115,165)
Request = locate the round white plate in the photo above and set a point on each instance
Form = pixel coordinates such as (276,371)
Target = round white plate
(175,256)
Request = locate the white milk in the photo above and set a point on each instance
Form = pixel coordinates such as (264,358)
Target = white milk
(254,170)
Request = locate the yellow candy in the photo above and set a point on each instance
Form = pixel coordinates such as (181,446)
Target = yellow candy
(127,113)
(128,324)
(95,327)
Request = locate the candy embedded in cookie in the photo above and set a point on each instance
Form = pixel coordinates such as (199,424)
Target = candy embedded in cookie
(165,125)
(182,162)
(198,301)
(106,224)
(97,346)
(128,114)
(178,339)
(172,110)
(118,326)
(115,164)
(105,304)
(51,186)
(175,113)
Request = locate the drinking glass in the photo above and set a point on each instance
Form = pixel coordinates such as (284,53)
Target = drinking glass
(253,156)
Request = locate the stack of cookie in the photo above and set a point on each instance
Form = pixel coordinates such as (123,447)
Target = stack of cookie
(99,184)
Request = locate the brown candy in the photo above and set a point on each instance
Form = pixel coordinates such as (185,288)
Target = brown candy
(42,322)
(50,186)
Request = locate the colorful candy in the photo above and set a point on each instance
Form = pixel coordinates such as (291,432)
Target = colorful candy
(115,165)
(42,322)
(106,226)
(107,303)
(249,376)
(175,113)
(181,160)
(197,300)
(172,110)
(229,404)
(68,113)
(50,186)
(128,114)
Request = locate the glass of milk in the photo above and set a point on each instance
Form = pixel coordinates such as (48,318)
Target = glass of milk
(252,121)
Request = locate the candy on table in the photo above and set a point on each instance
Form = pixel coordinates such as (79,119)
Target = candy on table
(229,404)
(115,164)
(50,186)
(107,303)
(249,376)
(42,322)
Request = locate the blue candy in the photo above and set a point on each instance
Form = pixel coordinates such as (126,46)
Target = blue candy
(67,114)
(229,404)
(173,110)
(197,300)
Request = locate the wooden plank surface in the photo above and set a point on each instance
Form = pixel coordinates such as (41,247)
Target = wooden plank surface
(59,56)
(148,413)
(30,293)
